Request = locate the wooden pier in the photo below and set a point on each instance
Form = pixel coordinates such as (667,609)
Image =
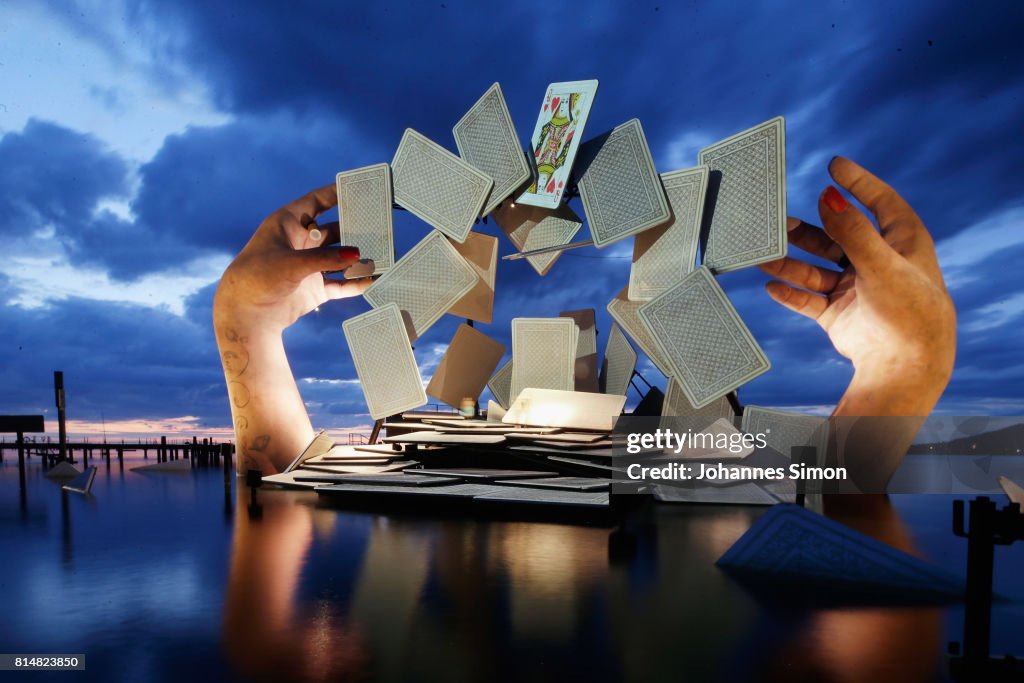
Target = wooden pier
(201,453)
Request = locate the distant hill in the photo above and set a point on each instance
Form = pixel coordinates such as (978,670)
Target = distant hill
(1006,441)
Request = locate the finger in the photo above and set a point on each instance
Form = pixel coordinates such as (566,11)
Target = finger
(853,232)
(802,274)
(895,216)
(326,233)
(336,289)
(799,300)
(316,202)
(812,239)
(331,232)
(320,259)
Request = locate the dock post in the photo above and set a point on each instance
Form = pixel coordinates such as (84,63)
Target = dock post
(58,388)
(161,455)
(225,452)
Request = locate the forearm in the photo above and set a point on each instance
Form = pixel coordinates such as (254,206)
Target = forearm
(270,420)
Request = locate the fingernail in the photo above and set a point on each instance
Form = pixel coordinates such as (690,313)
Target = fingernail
(348,253)
(835,201)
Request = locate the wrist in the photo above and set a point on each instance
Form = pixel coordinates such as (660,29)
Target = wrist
(899,386)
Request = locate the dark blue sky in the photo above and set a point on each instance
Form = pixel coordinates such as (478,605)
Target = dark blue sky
(143,142)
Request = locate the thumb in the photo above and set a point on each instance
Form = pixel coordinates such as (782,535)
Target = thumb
(323,259)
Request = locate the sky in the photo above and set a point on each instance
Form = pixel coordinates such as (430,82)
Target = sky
(141,143)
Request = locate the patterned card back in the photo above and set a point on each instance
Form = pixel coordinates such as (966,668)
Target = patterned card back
(620,359)
(621,191)
(438,186)
(425,283)
(624,312)
(676,405)
(747,224)
(664,255)
(364,214)
(384,362)
(531,227)
(487,138)
(543,354)
(784,430)
(500,385)
(702,338)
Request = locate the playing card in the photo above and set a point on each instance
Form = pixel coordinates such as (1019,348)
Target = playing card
(487,138)
(576,410)
(520,494)
(619,363)
(665,254)
(561,483)
(441,438)
(790,543)
(384,362)
(586,349)
(485,474)
(465,367)
(556,139)
(425,283)
(531,227)
(747,221)
(481,253)
(702,338)
(624,312)
(676,405)
(500,385)
(784,430)
(543,354)
(438,186)
(364,214)
(620,190)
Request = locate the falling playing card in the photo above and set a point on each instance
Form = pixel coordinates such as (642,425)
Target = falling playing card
(556,138)
(543,354)
(364,214)
(619,363)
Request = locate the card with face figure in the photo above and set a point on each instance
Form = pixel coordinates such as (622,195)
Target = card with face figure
(556,139)
(364,214)
(746,221)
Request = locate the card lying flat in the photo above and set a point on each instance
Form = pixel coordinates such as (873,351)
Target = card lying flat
(442,438)
(790,543)
(676,405)
(563,483)
(364,214)
(520,494)
(621,191)
(586,349)
(702,338)
(481,253)
(543,354)
(625,313)
(465,367)
(665,254)
(568,437)
(384,362)
(567,409)
(484,473)
(530,228)
(619,363)
(487,138)
(747,223)
(397,479)
(438,186)
(425,283)
(784,430)
(556,139)
(501,385)
(463,491)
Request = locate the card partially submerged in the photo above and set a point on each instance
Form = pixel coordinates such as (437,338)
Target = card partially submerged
(784,430)
(586,349)
(438,186)
(702,338)
(543,354)
(556,139)
(500,385)
(465,367)
(384,362)
(621,192)
(665,254)
(425,283)
(487,138)
(619,363)
(364,214)
(747,221)
(566,409)
(625,313)
(481,253)
(531,227)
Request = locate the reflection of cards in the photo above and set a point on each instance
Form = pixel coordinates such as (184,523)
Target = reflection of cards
(556,138)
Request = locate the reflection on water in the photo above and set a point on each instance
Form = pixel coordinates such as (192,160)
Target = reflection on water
(152,578)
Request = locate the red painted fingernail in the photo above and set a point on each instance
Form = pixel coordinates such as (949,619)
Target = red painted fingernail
(835,201)
(349,253)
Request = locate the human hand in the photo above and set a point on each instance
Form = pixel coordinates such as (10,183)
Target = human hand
(278,276)
(888,310)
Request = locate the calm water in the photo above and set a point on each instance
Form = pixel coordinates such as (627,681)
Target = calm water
(162,577)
